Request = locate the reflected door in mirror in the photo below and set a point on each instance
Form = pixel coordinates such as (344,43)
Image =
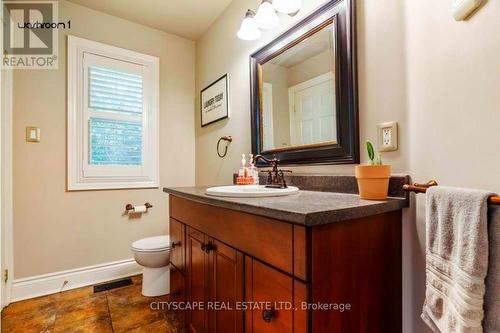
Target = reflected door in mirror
(312,111)
(298,97)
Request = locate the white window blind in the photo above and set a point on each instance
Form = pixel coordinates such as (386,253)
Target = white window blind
(113,130)
(115,91)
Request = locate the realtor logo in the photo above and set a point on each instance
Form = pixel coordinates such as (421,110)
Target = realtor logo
(30,38)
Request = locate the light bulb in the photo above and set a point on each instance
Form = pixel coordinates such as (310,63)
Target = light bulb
(249,29)
(287,6)
(266,17)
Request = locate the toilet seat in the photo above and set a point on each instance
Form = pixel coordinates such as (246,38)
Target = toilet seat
(152,244)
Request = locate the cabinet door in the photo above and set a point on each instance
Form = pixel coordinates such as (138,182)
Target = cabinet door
(178,293)
(226,288)
(273,288)
(177,242)
(196,281)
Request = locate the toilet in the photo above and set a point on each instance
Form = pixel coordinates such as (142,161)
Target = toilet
(153,254)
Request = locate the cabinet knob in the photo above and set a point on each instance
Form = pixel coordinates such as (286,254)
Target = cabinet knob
(175,244)
(207,247)
(268,315)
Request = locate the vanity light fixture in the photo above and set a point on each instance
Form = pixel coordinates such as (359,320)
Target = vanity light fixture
(266,17)
(249,29)
(290,7)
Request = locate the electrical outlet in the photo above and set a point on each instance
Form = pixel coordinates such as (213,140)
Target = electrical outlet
(388,136)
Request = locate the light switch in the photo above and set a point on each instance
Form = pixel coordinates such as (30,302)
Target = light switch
(388,136)
(32,134)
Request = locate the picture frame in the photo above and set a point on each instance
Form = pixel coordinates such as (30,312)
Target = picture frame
(214,101)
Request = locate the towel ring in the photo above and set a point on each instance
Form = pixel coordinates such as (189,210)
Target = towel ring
(228,139)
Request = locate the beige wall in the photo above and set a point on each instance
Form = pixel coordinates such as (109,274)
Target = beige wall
(454,94)
(453,91)
(310,68)
(57,230)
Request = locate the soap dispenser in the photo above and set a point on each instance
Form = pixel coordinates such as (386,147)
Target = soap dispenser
(253,171)
(243,168)
(242,178)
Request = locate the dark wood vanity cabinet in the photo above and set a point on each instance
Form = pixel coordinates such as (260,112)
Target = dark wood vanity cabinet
(260,275)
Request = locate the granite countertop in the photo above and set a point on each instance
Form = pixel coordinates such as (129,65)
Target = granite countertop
(307,208)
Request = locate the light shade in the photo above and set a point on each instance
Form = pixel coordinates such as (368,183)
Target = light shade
(249,29)
(287,6)
(266,17)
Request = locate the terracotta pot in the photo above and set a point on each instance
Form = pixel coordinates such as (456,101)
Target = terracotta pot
(373,181)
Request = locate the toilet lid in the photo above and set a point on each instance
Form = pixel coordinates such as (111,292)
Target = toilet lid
(155,243)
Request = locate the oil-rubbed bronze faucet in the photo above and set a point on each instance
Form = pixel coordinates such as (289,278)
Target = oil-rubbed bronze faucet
(275,176)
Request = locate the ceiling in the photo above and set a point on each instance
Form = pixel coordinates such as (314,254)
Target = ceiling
(185,18)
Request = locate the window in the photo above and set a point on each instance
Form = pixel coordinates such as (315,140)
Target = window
(112,117)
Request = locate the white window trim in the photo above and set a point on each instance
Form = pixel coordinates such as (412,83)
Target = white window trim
(76,123)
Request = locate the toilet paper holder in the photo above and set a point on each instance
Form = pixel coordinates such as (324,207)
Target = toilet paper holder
(130,208)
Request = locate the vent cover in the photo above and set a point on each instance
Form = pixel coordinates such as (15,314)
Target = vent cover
(112,285)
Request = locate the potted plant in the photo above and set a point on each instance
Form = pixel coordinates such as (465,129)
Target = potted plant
(373,179)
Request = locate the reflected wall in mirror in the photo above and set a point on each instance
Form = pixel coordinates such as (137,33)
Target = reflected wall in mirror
(298,94)
(304,90)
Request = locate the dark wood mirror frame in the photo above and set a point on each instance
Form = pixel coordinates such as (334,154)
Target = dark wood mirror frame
(346,150)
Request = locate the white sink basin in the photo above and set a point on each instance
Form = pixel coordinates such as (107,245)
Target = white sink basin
(250,191)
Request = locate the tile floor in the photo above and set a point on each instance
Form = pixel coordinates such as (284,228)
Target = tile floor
(80,310)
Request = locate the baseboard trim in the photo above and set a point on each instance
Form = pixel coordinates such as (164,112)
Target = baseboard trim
(80,277)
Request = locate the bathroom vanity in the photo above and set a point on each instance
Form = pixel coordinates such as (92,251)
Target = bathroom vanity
(320,260)
(314,261)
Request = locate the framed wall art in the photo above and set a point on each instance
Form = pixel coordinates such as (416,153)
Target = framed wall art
(214,101)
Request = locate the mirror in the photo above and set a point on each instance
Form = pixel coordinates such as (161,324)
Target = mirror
(298,94)
(303,91)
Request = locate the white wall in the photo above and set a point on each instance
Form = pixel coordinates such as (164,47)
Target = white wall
(56,230)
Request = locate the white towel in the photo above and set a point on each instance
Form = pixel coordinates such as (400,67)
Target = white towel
(456,259)
(491,321)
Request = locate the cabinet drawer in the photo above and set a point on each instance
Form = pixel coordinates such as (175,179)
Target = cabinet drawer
(266,239)
(178,292)
(177,242)
(265,284)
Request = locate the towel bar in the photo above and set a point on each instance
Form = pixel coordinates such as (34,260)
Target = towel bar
(422,188)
